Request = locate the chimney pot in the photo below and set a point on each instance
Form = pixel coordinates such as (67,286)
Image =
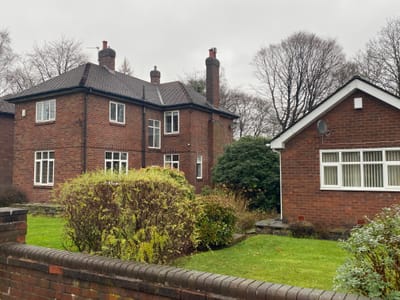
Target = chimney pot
(104,44)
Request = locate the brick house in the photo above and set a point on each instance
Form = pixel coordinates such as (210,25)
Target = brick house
(93,117)
(6,141)
(341,161)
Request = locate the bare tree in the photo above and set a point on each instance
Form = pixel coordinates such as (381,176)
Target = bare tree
(7,58)
(298,73)
(380,61)
(125,67)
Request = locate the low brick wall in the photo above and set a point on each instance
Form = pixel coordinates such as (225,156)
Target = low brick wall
(30,272)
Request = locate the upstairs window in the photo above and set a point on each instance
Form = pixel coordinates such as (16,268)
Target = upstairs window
(116,161)
(44,168)
(117,112)
(46,111)
(154,137)
(367,169)
(199,167)
(171,161)
(171,122)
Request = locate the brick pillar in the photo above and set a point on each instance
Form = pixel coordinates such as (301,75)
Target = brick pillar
(12,224)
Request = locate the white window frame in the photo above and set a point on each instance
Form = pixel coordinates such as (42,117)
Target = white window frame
(116,157)
(385,164)
(170,114)
(171,161)
(46,111)
(118,105)
(152,128)
(39,164)
(199,167)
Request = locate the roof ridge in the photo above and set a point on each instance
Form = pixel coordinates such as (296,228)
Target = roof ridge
(85,75)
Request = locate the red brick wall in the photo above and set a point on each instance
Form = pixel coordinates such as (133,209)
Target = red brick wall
(375,125)
(65,137)
(6,148)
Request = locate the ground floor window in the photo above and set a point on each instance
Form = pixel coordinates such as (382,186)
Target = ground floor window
(360,169)
(199,167)
(44,168)
(171,161)
(116,161)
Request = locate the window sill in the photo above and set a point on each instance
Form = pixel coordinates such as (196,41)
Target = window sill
(45,123)
(171,134)
(45,187)
(117,124)
(336,189)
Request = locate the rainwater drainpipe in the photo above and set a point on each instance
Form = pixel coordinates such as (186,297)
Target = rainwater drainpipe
(84,133)
(144,130)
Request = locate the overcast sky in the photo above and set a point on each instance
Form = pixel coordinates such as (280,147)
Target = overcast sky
(175,35)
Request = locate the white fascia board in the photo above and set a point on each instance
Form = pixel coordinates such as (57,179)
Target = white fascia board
(279,142)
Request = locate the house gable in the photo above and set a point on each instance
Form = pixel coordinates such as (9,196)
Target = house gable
(328,104)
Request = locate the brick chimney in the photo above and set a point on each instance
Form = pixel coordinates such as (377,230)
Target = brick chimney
(212,78)
(155,76)
(107,57)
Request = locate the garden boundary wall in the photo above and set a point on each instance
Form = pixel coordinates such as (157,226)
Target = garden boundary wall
(30,272)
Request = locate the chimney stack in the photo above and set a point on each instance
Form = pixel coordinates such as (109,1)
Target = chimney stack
(212,78)
(107,57)
(155,76)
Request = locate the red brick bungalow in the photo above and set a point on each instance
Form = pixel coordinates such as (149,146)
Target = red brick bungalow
(93,117)
(6,141)
(341,161)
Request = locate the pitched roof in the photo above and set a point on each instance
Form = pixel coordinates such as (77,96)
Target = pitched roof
(6,107)
(356,83)
(99,79)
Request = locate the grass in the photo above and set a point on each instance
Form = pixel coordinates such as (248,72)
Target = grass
(299,262)
(45,231)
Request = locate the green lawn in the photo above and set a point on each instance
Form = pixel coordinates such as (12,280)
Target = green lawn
(45,231)
(300,262)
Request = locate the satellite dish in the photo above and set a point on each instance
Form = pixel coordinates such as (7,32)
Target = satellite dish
(322,127)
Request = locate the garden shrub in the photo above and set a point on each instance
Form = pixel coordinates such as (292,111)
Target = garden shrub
(10,194)
(373,268)
(216,223)
(146,215)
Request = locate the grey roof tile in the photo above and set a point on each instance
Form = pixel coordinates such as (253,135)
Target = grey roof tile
(111,82)
(6,107)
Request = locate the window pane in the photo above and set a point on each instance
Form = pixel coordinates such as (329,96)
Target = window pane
(372,156)
(168,122)
(176,122)
(51,171)
(394,175)
(52,110)
(124,155)
(351,175)
(108,165)
(113,112)
(108,155)
(121,113)
(373,175)
(44,171)
(116,155)
(393,155)
(37,175)
(38,155)
(330,157)
(350,156)
(51,155)
(115,166)
(45,155)
(330,175)
(175,157)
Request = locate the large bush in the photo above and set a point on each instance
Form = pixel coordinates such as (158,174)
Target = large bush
(216,222)
(251,169)
(373,268)
(9,194)
(146,215)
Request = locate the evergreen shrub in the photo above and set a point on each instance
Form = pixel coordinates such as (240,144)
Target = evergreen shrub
(146,215)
